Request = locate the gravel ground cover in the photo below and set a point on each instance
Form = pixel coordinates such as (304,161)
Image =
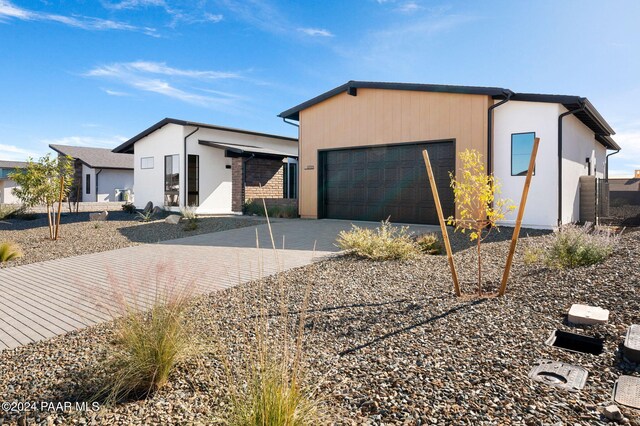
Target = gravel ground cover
(79,236)
(386,343)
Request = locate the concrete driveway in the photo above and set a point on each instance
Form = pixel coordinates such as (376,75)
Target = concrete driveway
(46,299)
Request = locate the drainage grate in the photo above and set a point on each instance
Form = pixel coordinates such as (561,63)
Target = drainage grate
(576,342)
(559,374)
(626,391)
(632,344)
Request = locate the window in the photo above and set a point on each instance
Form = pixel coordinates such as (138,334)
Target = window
(87,182)
(521,147)
(193,180)
(146,163)
(172,180)
(291,178)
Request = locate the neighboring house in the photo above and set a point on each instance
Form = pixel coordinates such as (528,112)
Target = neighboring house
(360,149)
(224,167)
(100,175)
(6,184)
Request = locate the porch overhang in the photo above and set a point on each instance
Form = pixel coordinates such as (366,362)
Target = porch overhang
(238,150)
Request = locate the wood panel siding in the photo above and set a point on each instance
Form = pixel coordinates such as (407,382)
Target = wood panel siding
(380,117)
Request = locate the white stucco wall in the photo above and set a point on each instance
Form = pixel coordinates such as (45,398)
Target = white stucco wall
(111,179)
(215,189)
(6,186)
(88,194)
(522,117)
(149,183)
(578,143)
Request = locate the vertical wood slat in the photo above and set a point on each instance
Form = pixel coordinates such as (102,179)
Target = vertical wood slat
(443,226)
(516,230)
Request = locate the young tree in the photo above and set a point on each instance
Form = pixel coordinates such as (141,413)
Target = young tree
(46,182)
(474,193)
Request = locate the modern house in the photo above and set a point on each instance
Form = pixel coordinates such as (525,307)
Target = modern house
(213,168)
(360,149)
(100,175)
(6,184)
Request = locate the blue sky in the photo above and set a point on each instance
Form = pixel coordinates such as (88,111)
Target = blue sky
(96,72)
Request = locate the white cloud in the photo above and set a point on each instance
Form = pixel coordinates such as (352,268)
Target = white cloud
(15,153)
(215,18)
(316,32)
(115,92)
(91,141)
(133,4)
(409,7)
(159,78)
(10,11)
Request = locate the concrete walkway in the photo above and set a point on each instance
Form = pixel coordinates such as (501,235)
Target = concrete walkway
(45,299)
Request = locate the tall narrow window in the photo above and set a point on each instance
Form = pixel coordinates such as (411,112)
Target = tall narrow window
(291,179)
(87,183)
(172,180)
(193,176)
(521,147)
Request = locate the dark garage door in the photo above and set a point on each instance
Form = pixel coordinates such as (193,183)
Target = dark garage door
(387,181)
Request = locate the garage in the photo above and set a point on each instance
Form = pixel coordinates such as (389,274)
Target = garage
(374,183)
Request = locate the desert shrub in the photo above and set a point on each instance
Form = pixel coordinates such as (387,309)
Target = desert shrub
(129,208)
(429,243)
(574,246)
(151,336)
(288,212)
(533,256)
(145,216)
(256,207)
(267,383)
(189,213)
(274,398)
(9,211)
(9,251)
(386,242)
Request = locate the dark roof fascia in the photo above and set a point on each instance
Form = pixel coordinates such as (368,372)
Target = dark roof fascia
(568,101)
(89,165)
(127,147)
(294,113)
(608,142)
(239,152)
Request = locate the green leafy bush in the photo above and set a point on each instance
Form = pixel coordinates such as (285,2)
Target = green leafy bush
(9,251)
(129,208)
(574,246)
(386,242)
(429,243)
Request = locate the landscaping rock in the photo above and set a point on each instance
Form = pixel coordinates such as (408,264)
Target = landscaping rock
(174,219)
(148,207)
(385,342)
(612,412)
(95,217)
(631,346)
(157,210)
(587,315)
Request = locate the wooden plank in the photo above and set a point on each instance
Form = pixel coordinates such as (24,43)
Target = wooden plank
(443,226)
(523,203)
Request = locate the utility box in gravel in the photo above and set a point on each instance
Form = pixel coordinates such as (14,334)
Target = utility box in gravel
(631,346)
(94,217)
(587,315)
(174,219)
